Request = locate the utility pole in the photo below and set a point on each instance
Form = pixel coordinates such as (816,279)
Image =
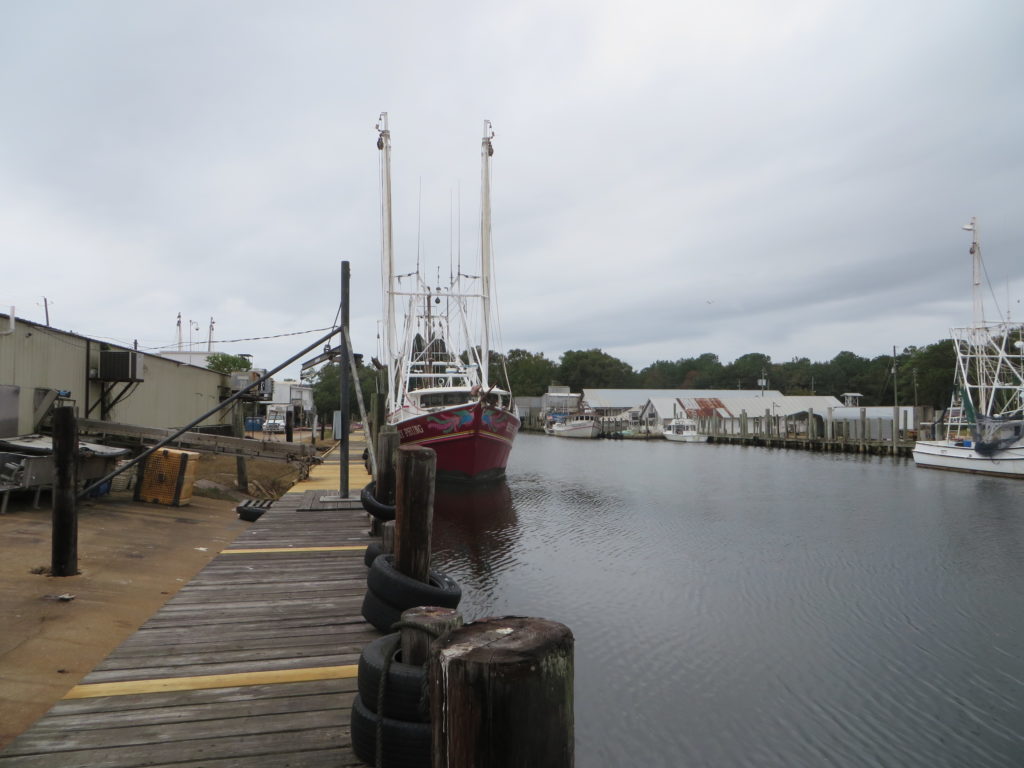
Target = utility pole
(895,405)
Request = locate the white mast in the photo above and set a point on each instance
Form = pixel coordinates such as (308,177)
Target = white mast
(979,303)
(387,253)
(486,150)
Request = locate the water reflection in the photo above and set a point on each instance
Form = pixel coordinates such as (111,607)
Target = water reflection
(475,531)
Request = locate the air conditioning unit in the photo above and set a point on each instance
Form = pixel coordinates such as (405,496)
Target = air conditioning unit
(241,379)
(120,365)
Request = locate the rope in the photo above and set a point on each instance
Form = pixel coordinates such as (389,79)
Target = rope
(389,655)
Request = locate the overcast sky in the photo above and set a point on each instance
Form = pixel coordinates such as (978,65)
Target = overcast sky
(669,178)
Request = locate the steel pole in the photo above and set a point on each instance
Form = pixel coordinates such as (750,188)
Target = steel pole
(344,379)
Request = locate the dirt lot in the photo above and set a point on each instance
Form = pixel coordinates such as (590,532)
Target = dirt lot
(132,558)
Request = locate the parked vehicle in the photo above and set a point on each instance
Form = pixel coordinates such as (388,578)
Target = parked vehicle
(273,425)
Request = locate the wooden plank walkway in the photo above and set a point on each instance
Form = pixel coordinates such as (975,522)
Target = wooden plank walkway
(252,663)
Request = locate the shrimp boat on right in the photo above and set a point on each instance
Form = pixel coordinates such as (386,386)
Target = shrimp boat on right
(984,426)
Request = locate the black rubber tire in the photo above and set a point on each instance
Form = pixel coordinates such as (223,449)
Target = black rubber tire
(404,689)
(380,613)
(403,592)
(373,550)
(404,744)
(384,512)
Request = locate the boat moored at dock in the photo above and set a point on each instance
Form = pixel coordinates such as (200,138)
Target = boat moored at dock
(577,425)
(439,392)
(683,430)
(984,426)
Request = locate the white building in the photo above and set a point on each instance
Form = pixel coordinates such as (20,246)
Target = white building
(297,396)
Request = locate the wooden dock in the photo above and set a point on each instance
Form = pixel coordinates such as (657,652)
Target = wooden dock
(903,448)
(252,663)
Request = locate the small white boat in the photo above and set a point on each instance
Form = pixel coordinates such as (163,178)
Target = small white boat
(576,425)
(683,430)
(984,426)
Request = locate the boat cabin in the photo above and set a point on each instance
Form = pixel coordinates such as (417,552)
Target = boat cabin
(437,399)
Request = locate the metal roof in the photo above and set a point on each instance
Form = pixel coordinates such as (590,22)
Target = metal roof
(729,405)
(631,398)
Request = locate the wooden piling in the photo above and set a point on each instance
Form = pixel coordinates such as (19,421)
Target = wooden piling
(64,549)
(289,426)
(502,695)
(378,408)
(430,623)
(241,469)
(414,511)
(387,456)
(384,482)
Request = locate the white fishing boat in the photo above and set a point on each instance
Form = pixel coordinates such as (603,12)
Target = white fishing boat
(984,426)
(683,429)
(578,425)
(439,391)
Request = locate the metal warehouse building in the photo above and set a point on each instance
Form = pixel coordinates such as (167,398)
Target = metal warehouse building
(42,366)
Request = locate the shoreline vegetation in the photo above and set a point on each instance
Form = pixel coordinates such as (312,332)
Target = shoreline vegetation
(923,374)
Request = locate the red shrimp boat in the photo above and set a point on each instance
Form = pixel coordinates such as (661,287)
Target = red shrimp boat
(439,391)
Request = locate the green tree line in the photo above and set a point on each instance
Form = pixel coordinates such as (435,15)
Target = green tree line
(924,375)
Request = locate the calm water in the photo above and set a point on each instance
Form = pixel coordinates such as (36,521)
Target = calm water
(749,607)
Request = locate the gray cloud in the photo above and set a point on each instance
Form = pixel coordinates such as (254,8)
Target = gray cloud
(668,180)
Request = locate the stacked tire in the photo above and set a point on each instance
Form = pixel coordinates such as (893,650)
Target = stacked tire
(392,697)
(389,592)
(368,498)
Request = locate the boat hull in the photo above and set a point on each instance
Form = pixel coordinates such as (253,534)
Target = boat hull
(584,431)
(472,442)
(939,454)
(689,438)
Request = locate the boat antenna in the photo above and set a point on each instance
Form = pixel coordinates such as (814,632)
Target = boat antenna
(419,224)
(458,230)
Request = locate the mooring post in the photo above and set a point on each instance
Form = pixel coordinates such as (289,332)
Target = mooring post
(64,550)
(429,623)
(502,695)
(387,455)
(375,416)
(241,470)
(384,483)
(414,511)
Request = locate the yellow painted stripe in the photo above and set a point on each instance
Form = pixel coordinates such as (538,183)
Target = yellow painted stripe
(202,682)
(351,548)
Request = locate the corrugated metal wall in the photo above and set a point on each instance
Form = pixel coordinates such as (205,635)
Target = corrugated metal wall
(36,357)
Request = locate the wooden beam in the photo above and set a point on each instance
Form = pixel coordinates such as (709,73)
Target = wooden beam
(198,441)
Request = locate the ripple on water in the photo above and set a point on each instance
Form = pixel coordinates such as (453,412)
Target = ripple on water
(745,607)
